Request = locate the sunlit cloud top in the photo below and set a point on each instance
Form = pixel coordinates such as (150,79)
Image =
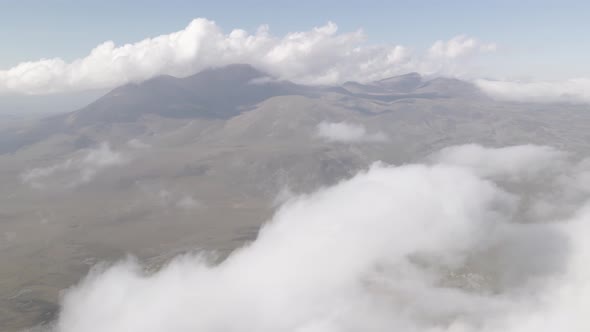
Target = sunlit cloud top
(321,55)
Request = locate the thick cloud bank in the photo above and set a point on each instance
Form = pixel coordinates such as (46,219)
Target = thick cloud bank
(435,247)
(321,55)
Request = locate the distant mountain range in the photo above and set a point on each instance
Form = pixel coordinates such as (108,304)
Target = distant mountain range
(228,91)
(221,93)
(199,162)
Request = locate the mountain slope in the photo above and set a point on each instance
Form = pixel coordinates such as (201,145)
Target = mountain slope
(174,164)
(213,93)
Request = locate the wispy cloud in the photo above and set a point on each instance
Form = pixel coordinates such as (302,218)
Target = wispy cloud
(567,91)
(321,55)
(460,46)
(345,132)
(187,202)
(137,144)
(76,170)
(523,161)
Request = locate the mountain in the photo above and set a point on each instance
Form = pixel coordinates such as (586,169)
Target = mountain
(389,86)
(449,87)
(212,93)
(413,85)
(216,93)
(401,84)
(172,164)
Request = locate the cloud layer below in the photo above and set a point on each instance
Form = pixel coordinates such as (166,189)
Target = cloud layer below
(321,55)
(454,245)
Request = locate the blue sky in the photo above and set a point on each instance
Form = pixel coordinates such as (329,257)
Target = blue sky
(532,35)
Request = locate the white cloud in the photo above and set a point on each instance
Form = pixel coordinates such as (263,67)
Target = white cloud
(321,55)
(138,144)
(187,202)
(459,46)
(348,133)
(170,198)
(411,248)
(74,171)
(521,162)
(568,91)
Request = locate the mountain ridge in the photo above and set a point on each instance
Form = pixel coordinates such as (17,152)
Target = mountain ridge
(221,93)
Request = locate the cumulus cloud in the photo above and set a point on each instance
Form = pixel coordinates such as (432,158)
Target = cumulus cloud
(568,91)
(439,247)
(74,171)
(348,133)
(321,55)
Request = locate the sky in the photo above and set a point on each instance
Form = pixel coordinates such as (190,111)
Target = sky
(532,40)
(534,33)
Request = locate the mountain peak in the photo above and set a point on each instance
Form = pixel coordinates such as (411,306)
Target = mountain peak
(449,86)
(408,76)
(218,92)
(235,72)
(401,83)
